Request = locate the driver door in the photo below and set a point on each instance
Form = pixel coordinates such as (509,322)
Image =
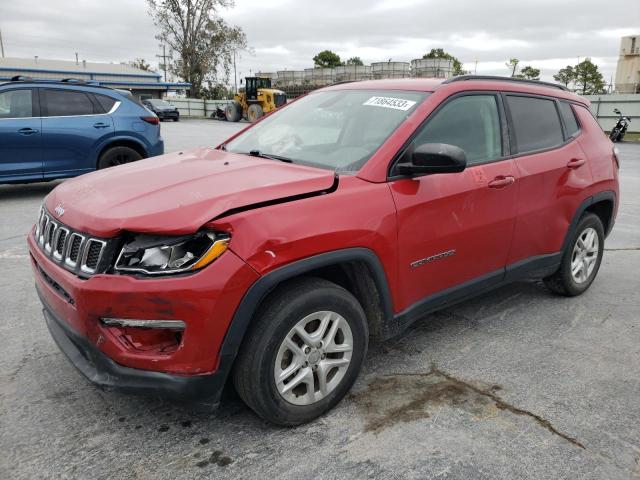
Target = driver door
(455,229)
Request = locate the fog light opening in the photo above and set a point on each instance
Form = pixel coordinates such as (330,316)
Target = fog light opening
(149,337)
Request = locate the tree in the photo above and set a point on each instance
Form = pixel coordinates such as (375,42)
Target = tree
(205,44)
(141,64)
(327,59)
(587,78)
(565,75)
(529,73)
(440,53)
(512,65)
(354,61)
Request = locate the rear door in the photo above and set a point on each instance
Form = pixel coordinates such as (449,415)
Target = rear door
(454,230)
(554,173)
(74,125)
(20,135)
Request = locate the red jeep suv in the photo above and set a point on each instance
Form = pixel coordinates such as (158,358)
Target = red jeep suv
(346,215)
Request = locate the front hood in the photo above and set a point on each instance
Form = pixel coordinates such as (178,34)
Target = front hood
(179,192)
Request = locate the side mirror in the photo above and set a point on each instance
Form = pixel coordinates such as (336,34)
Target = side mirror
(615,110)
(434,158)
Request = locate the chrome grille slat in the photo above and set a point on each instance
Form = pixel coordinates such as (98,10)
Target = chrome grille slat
(74,251)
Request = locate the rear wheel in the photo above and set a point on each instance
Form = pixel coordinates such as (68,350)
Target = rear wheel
(304,352)
(117,156)
(254,112)
(233,111)
(581,261)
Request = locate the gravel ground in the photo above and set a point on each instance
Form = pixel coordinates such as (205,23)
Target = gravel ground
(515,384)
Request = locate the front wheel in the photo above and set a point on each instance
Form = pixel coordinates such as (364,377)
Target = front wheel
(581,261)
(115,156)
(304,352)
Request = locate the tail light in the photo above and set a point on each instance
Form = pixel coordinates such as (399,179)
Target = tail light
(152,120)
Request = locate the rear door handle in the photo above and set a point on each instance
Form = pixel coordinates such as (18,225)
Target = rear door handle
(502,181)
(100,125)
(576,162)
(27,131)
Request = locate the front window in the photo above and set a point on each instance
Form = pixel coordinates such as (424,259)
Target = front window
(337,130)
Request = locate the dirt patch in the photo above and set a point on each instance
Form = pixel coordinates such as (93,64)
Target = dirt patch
(394,399)
(402,398)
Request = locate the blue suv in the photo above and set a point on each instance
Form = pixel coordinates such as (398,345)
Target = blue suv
(62,129)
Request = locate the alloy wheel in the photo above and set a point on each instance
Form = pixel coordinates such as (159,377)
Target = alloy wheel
(313,358)
(585,255)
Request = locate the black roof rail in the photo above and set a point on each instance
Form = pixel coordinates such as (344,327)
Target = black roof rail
(505,79)
(21,78)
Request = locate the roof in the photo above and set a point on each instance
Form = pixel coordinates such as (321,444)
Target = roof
(65,66)
(458,84)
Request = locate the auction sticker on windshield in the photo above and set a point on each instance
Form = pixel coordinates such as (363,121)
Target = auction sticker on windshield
(389,102)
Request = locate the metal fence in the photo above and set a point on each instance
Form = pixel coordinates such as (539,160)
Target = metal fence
(197,108)
(602,107)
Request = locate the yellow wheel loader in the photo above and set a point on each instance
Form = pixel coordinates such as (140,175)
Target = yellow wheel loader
(257,99)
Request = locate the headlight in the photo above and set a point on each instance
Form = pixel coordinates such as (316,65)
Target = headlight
(159,255)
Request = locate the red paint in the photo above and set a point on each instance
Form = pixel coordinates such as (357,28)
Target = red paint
(492,215)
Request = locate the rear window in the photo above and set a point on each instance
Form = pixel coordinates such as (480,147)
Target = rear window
(65,103)
(105,102)
(535,123)
(568,116)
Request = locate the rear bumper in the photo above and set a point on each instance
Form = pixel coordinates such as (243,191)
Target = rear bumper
(108,375)
(163,115)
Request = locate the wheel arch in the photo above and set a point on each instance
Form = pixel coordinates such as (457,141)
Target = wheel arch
(358,270)
(122,142)
(602,204)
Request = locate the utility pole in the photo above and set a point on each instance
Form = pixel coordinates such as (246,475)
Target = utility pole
(475,69)
(76,58)
(235,73)
(164,60)
(1,45)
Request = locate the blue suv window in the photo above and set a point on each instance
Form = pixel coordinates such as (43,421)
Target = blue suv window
(106,103)
(16,104)
(65,103)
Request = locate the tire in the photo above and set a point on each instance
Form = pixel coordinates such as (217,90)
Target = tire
(233,111)
(265,351)
(115,156)
(567,282)
(177,119)
(254,112)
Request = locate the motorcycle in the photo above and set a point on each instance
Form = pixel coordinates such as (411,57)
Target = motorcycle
(617,133)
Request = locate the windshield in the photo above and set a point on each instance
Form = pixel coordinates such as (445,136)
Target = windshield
(159,103)
(338,130)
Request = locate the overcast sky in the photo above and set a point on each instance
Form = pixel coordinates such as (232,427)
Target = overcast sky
(286,34)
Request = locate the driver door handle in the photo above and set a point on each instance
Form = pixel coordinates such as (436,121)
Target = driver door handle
(502,181)
(27,131)
(100,125)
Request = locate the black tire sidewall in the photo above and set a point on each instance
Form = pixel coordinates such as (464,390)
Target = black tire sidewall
(272,405)
(587,221)
(107,157)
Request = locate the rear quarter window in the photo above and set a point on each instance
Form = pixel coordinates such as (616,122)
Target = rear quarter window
(105,102)
(535,124)
(571,125)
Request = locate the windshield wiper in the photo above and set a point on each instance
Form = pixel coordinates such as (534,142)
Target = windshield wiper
(258,153)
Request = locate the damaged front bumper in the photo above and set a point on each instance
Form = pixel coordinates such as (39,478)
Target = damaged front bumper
(108,375)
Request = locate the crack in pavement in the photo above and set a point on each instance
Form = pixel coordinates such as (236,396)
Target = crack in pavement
(624,249)
(503,405)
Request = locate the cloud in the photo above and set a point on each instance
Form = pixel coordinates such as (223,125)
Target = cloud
(287,33)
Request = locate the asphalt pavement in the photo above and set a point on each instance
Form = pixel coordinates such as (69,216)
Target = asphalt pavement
(518,383)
